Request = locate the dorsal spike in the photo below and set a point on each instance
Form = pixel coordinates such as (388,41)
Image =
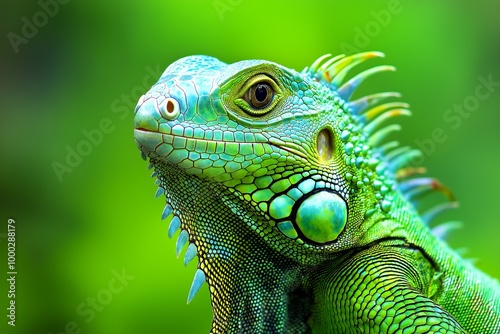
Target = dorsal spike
(442,230)
(376,138)
(329,62)
(182,240)
(383,149)
(410,184)
(166,212)
(314,67)
(376,111)
(175,224)
(360,105)
(404,159)
(323,72)
(396,152)
(370,127)
(150,165)
(404,173)
(199,279)
(428,216)
(339,69)
(339,77)
(160,191)
(417,187)
(347,89)
(190,253)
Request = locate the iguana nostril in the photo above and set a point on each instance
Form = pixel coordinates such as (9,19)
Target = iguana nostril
(324,145)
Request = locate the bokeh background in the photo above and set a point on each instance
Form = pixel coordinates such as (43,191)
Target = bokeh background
(89,61)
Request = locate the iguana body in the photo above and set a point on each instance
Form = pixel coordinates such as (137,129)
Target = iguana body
(302,221)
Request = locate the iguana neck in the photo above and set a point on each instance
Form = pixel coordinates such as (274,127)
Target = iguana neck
(249,282)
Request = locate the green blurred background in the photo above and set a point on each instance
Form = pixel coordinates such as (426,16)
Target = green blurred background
(92,60)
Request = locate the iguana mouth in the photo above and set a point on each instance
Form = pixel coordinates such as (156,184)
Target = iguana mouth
(145,130)
(154,143)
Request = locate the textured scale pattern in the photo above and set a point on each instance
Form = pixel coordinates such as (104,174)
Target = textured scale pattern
(300,212)
(382,278)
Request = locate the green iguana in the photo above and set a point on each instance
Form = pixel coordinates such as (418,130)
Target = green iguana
(302,219)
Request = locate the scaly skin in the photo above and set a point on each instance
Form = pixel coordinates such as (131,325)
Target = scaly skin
(301,220)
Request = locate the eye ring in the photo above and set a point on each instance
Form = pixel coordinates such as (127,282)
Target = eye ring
(169,109)
(259,95)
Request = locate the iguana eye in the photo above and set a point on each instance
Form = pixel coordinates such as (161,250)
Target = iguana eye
(259,95)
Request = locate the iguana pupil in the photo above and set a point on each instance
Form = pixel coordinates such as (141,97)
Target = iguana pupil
(261,95)
(170,106)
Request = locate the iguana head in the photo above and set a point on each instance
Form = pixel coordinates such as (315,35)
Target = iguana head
(285,151)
